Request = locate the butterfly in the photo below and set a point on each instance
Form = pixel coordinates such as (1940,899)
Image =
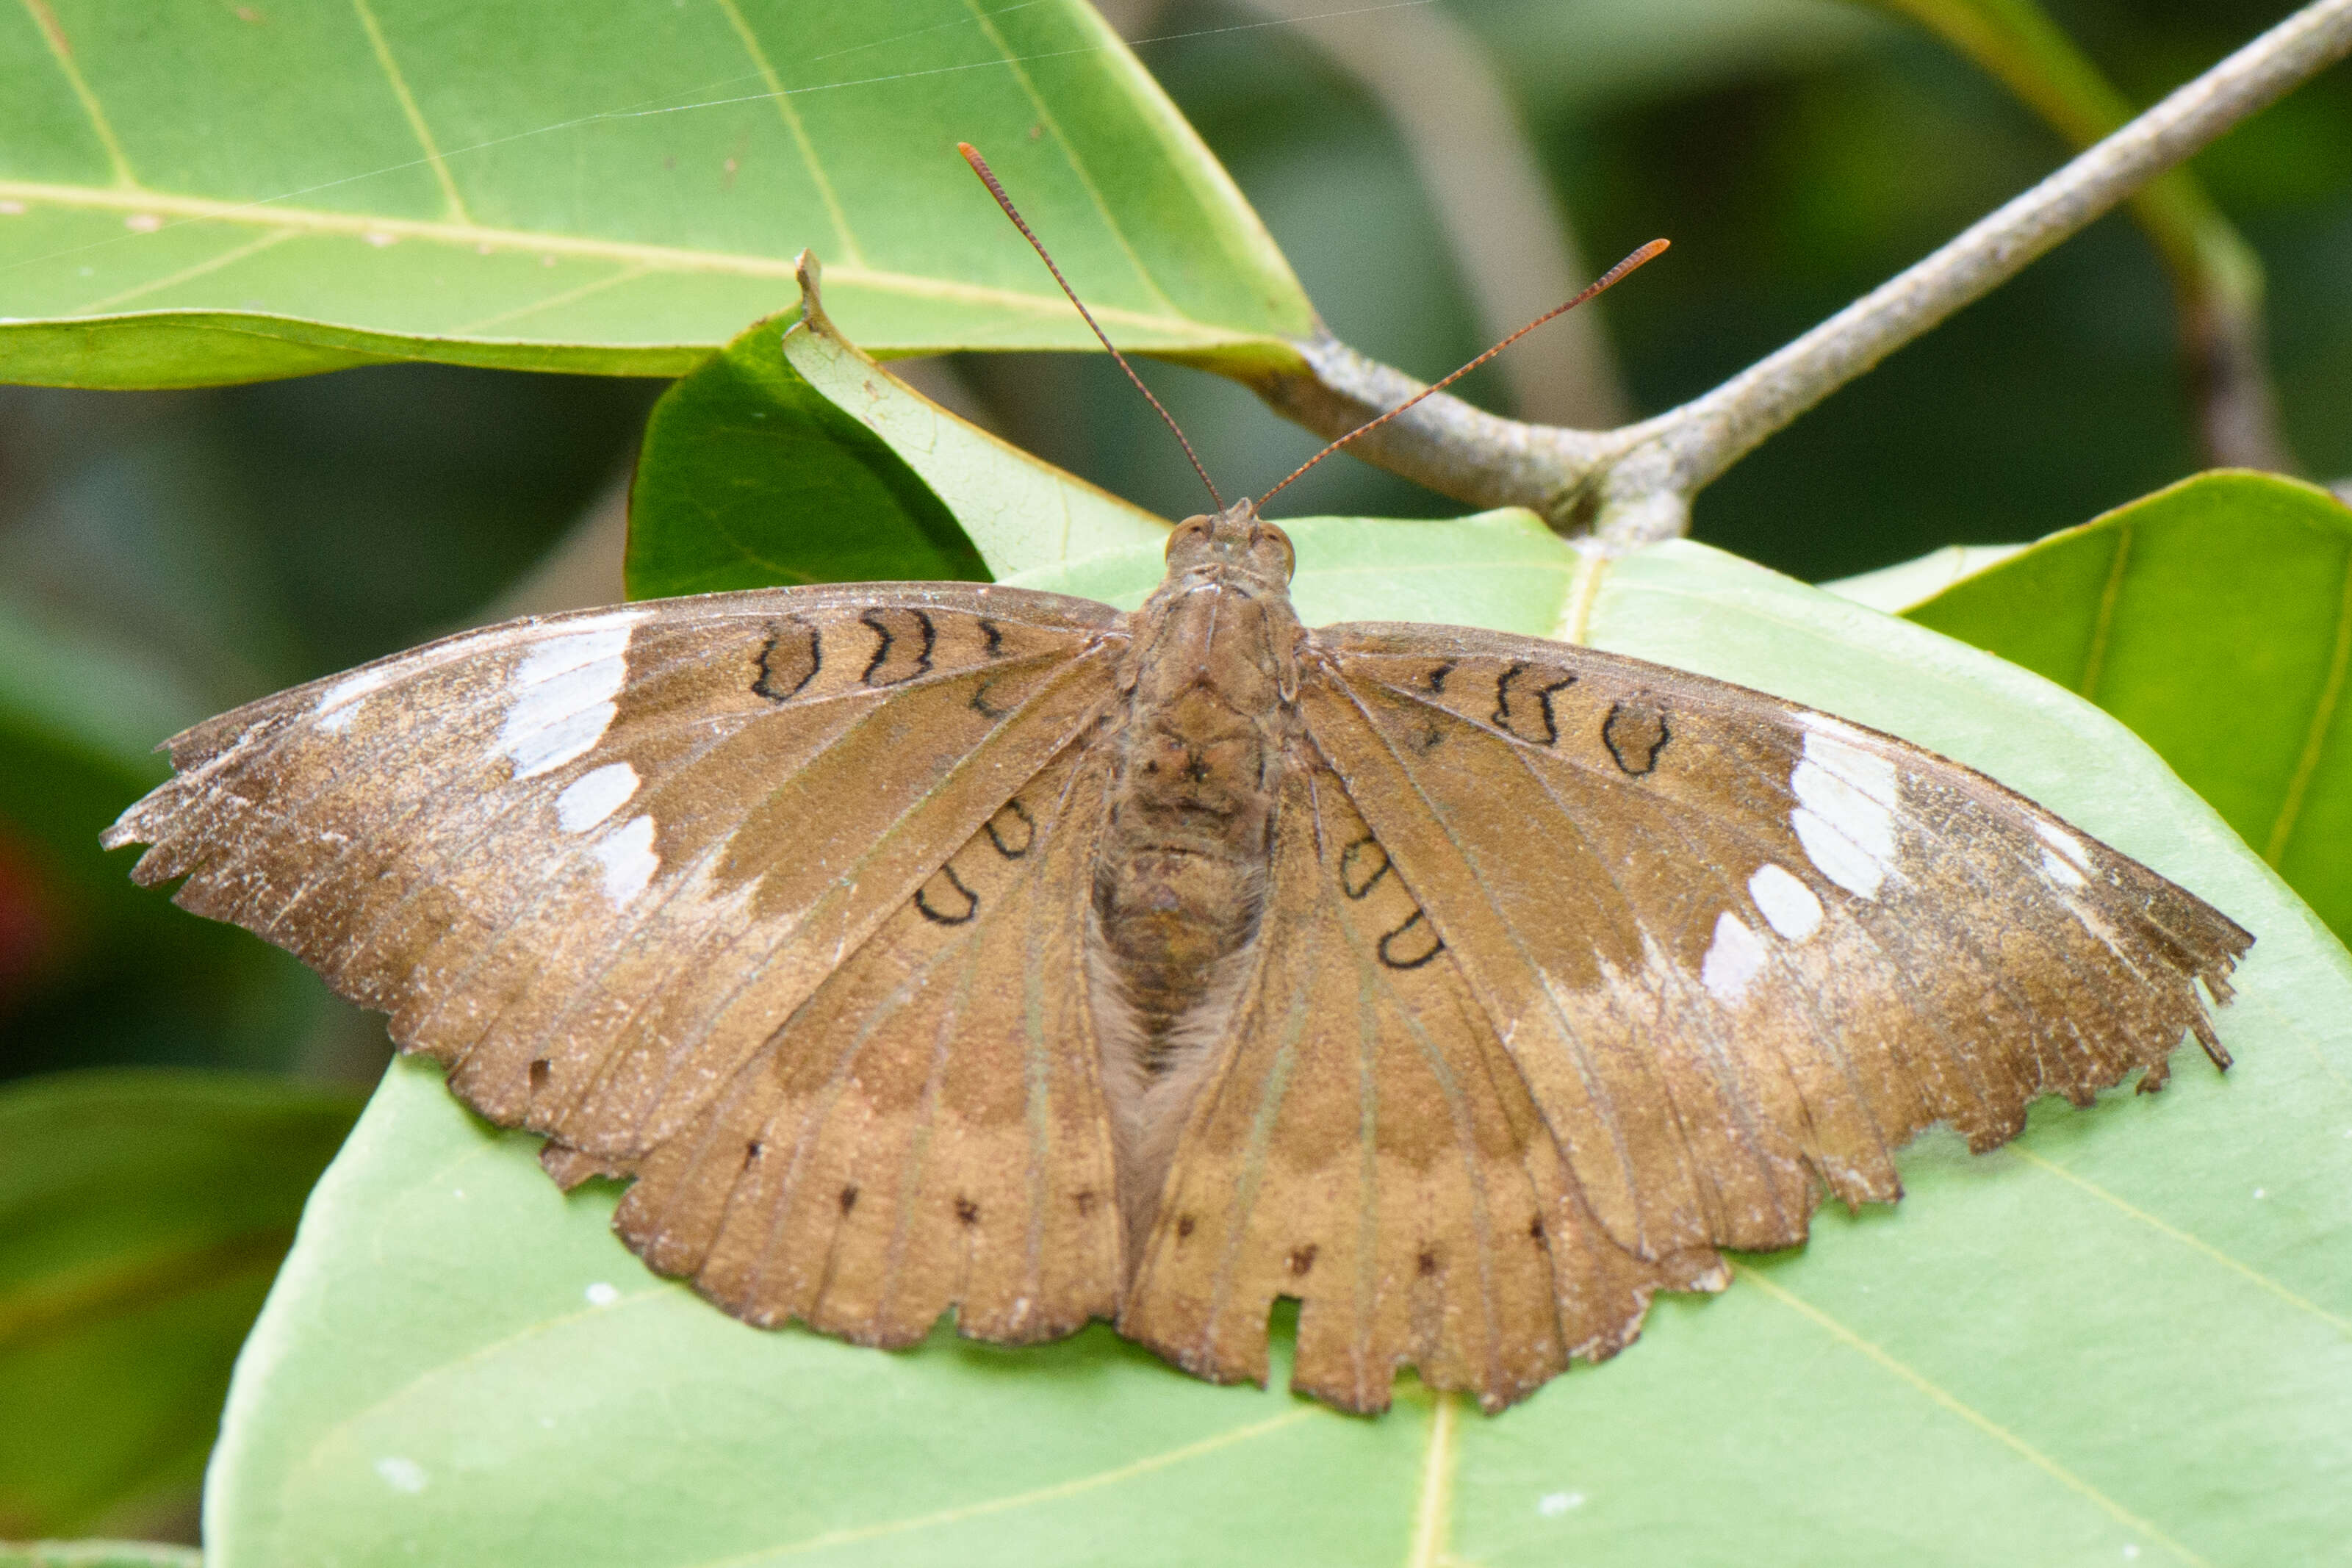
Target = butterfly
(911,948)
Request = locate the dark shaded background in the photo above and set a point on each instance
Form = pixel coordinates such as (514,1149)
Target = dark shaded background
(204,548)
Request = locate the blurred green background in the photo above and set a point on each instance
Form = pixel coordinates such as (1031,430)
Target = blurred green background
(184,551)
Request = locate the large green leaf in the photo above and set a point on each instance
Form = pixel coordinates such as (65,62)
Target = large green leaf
(194,193)
(2214,618)
(142,1216)
(461,1362)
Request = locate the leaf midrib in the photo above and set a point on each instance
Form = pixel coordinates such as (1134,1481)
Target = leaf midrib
(274,215)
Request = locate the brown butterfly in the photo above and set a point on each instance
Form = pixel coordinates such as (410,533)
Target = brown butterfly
(912,947)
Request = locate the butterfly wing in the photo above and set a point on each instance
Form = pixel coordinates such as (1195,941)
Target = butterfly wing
(1740,952)
(1576,969)
(1365,1146)
(927,1129)
(592,862)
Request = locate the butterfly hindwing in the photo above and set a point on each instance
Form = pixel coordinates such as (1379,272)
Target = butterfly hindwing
(927,1129)
(1365,1146)
(1741,952)
(591,862)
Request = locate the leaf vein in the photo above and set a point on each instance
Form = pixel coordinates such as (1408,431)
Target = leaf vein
(1966,1411)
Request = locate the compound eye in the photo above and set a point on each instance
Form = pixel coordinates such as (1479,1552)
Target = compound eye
(1282,540)
(1190,530)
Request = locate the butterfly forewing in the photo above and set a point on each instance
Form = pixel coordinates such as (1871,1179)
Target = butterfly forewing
(1740,951)
(592,862)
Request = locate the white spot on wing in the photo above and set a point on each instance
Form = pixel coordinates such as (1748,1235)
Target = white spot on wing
(2066,843)
(594,795)
(1835,856)
(339,704)
(628,859)
(560,698)
(1845,814)
(1551,1505)
(1787,905)
(402,1475)
(2060,872)
(1733,961)
(599,1294)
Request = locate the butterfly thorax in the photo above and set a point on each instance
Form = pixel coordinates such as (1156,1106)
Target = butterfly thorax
(1180,878)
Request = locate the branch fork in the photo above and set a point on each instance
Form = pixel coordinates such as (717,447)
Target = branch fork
(1632,486)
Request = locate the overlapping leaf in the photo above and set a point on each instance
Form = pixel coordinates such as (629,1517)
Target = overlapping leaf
(206,193)
(2215,619)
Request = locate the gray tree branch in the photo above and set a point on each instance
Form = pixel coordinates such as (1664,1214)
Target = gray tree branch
(1635,484)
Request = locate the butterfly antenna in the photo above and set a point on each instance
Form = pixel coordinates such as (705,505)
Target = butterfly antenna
(1647,253)
(988,177)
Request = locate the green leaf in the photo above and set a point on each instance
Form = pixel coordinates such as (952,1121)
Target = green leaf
(750,478)
(142,1217)
(793,457)
(111,971)
(2038,1357)
(1896,588)
(2214,618)
(98,1554)
(205,193)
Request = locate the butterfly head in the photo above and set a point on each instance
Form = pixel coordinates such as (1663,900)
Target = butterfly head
(1233,543)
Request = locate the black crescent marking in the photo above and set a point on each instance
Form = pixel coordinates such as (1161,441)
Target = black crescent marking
(1028,831)
(872,622)
(769,684)
(1437,677)
(1436,946)
(995,635)
(1543,704)
(1503,695)
(972,901)
(1635,758)
(1551,726)
(1355,863)
(981,705)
